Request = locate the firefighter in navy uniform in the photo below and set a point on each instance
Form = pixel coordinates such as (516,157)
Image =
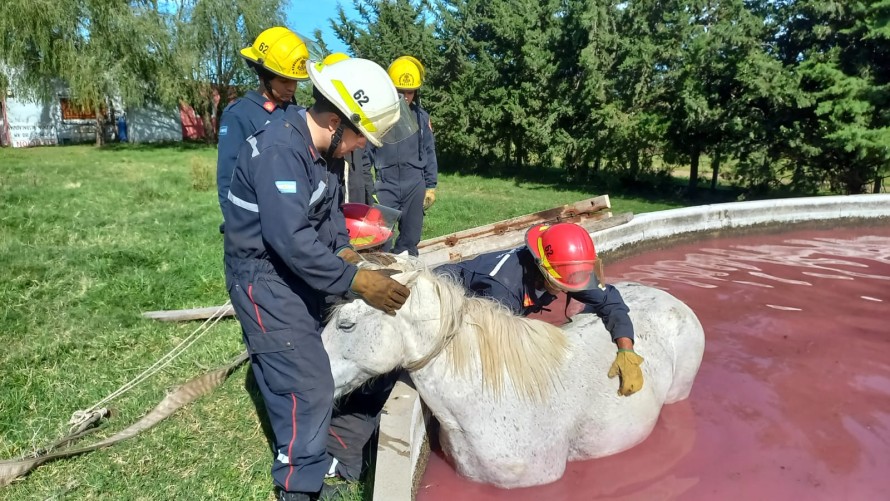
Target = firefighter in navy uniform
(357,415)
(278,56)
(557,258)
(287,249)
(407,172)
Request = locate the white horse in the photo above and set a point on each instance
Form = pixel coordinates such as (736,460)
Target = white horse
(517,398)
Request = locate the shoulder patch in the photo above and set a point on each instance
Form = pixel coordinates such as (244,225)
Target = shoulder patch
(223,130)
(286,186)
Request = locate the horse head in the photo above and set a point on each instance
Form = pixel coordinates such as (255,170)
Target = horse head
(363,342)
(477,336)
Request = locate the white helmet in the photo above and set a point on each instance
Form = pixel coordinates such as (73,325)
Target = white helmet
(363,92)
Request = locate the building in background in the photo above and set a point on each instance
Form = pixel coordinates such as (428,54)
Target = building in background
(26,123)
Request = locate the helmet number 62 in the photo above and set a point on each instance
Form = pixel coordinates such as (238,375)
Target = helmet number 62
(360,97)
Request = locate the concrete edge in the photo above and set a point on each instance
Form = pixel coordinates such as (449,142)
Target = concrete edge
(403,448)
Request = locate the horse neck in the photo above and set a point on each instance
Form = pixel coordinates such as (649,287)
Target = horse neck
(430,332)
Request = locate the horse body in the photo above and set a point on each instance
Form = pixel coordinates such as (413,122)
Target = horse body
(518,428)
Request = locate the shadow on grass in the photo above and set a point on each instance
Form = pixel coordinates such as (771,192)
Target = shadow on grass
(659,187)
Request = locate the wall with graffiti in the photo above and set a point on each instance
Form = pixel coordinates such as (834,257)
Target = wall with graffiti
(25,123)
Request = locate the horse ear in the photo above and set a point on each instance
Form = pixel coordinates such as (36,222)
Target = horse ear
(406,278)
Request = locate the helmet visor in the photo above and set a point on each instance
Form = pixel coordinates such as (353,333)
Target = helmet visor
(403,128)
(570,276)
(371,227)
(316,53)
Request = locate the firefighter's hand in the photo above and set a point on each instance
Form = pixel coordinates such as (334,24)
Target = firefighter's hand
(429,198)
(627,367)
(350,256)
(379,290)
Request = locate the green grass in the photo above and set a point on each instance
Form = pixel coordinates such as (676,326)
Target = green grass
(90,239)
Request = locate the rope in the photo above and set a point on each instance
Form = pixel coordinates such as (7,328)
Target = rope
(82,418)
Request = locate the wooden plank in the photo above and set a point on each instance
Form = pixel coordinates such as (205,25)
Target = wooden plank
(592,214)
(471,247)
(190,314)
(575,213)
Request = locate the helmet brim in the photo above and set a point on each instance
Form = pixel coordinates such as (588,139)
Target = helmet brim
(249,54)
(531,239)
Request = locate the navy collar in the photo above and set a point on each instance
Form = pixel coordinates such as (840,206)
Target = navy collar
(296,116)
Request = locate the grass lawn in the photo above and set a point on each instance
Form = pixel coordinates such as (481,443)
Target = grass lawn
(91,238)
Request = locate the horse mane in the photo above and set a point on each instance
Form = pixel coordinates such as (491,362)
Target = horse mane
(528,353)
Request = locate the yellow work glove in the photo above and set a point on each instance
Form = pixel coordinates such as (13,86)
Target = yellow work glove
(627,366)
(350,256)
(429,198)
(379,290)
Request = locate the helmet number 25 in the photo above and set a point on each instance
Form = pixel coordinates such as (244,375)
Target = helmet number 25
(360,97)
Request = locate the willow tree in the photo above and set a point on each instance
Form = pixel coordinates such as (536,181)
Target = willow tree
(98,51)
(209,35)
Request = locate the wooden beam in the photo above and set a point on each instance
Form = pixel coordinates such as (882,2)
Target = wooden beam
(190,314)
(479,244)
(593,214)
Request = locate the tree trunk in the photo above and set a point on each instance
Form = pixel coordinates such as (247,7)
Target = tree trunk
(508,150)
(100,132)
(715,169)
(694,158)
(583,171)
(635,164)
(876,187)
(598,163)
(209,129)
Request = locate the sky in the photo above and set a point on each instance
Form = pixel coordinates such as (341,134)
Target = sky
(305,16)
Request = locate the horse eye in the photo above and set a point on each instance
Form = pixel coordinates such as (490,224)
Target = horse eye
(346,325)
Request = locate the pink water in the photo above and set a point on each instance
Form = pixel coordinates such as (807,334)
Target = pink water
(793,397)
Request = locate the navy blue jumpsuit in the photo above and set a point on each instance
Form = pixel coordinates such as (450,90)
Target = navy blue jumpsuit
(283,230)
(510,277)
(240,119)
(405,170)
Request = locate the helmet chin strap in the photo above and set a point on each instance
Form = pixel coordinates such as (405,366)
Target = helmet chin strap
(335,142)
(268,86)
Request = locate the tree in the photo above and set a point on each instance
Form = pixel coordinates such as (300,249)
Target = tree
(97,50)
(209,37)
(840,51)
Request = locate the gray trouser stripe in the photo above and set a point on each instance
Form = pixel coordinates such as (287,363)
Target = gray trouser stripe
(244,204)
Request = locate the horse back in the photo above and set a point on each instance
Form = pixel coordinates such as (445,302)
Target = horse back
(664,323)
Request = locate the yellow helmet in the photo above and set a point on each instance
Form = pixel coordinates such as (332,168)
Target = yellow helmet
(282,52)
(336,57)
(406,72)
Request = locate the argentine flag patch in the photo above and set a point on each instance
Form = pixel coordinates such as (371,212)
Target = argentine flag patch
(223,130)
(286,186)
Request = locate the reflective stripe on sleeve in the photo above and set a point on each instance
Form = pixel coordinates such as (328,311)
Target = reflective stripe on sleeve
(244,204)
(316,195)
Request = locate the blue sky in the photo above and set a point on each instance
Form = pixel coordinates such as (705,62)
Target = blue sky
(305,16)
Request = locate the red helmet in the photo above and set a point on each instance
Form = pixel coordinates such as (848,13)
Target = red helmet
(565,254)
(369,226)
